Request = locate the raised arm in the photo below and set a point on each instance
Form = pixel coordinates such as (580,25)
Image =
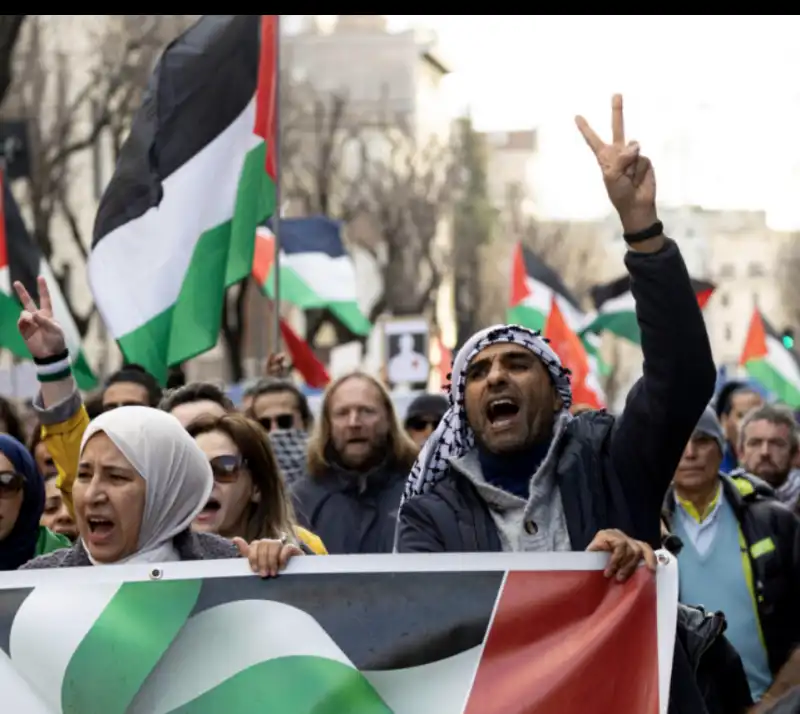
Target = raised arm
(679,374)
(58,405)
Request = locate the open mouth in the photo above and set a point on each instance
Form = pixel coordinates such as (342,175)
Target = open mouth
(100,528)
(210,509)
(501,411)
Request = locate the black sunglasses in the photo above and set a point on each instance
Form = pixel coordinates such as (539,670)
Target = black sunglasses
(226,468)
(420,424)
(11,483)
(279,421)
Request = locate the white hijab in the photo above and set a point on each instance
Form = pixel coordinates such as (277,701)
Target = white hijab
(177,472)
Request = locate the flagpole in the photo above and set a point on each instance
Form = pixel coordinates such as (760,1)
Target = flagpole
(276,217)
(13,369)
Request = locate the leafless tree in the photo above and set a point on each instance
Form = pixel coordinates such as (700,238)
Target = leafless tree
(67,116)
(406,191)
(10,27)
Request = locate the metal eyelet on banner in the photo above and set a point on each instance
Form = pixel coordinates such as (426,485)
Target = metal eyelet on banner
(662,557)
(156,574)
(531,528)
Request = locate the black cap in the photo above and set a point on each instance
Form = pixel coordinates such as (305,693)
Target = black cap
(434,405)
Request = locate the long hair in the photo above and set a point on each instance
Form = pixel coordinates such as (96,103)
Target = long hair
(273,516)
(402,449)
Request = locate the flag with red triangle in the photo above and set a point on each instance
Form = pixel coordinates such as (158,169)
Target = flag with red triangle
(616,309)
(769,362)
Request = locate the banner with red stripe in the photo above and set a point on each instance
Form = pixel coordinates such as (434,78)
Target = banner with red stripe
(389,634)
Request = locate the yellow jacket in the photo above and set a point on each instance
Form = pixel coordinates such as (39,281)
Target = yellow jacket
(63,441)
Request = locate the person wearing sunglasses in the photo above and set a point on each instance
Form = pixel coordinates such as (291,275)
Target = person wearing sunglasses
(423,416)
(22,498)
(249,499)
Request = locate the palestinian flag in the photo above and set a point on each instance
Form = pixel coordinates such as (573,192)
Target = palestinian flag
(20,259)
(769,363)
(616,309)
(541,301)
(316,270)
(450,634)
(175,226)
(534,284)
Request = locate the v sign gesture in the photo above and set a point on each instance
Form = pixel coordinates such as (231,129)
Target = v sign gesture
(43,336)
(629,177)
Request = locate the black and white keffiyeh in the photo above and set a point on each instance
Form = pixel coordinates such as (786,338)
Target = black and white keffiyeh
(290,447)
(454,437)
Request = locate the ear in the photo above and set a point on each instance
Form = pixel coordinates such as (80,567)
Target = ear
(255,496)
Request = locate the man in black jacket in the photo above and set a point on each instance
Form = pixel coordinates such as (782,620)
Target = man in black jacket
(509,469)
(740,555)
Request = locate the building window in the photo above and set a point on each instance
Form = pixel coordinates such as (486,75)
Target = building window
(726,270)
(755,270)
(728,333)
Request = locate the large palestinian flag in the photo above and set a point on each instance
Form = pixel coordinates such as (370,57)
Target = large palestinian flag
(769,363)
(616,309)
(434,634)
(176,224)
(21,259)
(316,271)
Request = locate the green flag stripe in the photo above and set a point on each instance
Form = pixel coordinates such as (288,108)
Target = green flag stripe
(223,256)
(124,645)
(291,685)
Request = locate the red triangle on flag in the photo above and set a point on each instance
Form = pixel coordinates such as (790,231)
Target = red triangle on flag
(755,345)
(519,278)
(263,255)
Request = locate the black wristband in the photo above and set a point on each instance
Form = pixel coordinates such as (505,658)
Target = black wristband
(653,231)
(60,357)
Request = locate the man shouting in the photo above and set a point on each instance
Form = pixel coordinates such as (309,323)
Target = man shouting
(509,469)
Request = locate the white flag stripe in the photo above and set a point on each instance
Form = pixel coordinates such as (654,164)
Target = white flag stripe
(264,630)
(17,694)
(148,257)
(440,686)
(47,630)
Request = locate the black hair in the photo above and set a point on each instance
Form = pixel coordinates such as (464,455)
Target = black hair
(273,385)
(726,394)
(196,392)
(136,374)
(94,405)
(9,414)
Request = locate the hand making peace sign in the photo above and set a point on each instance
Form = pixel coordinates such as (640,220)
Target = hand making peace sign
(42,334)
(629,177)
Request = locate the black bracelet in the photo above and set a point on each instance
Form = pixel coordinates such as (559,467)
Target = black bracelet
(653,231)
(60,357)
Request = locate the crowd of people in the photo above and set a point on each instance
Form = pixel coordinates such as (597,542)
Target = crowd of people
(499,464)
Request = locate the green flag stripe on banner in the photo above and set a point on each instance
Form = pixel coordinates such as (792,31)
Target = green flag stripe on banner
(291,685)
(124,645)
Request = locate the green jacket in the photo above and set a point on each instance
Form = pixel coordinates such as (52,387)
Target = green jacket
(48,541)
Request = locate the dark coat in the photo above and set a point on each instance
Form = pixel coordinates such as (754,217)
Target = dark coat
(190,546)
(612,472)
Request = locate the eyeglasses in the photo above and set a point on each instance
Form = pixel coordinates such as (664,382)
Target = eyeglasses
(279,421)
(226,468)
(420,424)
(116,405)
(10,484)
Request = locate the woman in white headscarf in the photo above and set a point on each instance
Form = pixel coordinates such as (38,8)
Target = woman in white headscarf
(141,482)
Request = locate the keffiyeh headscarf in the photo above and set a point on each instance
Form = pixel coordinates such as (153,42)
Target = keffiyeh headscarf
(454,437)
